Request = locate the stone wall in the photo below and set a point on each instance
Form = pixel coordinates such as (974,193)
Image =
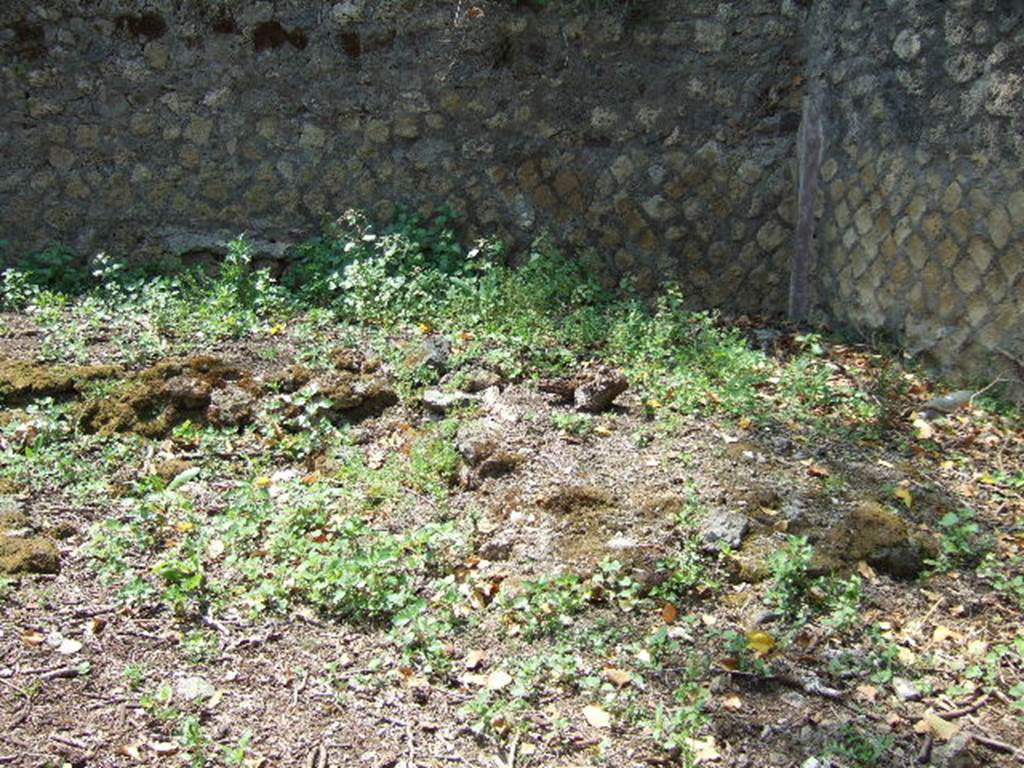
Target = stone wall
(922,229)
(656,135)
(657,139)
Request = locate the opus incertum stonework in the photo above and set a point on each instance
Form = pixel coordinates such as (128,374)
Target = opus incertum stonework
(656,139)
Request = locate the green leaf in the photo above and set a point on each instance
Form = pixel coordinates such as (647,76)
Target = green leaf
(185,477)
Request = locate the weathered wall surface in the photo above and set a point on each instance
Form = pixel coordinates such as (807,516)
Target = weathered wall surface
(922,228)
(659,134)
(659,137)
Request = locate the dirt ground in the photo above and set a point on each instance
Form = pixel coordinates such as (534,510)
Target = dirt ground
(559,496)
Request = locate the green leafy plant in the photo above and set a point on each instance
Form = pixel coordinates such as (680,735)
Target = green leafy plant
(961,542)
(790,579)
(546,606)
(859,747)
(575,424)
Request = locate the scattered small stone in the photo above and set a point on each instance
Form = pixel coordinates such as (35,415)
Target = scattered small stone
(475,442)
(723,528)
(622,543)
(441,402)
(592,390)
(479,379)
(437,351)
(945,404)
(956,753)
(906,689)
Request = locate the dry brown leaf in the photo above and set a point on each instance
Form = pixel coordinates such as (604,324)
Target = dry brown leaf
(867,692)
(619,677)
(866,571)
(816,470)
(704,750)
(597,717)
(474,659)
(477,681)
(131,750)
(669,613)
(95,625)
(732,703)
(32,637)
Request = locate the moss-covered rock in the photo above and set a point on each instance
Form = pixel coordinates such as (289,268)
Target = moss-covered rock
(22,381)
(13,520)
(869,532)
(33,554)
(157,399)
(355,397)
(881,537)
(168,469)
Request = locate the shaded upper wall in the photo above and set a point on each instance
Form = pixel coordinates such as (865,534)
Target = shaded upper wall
(922,228)
(658,134)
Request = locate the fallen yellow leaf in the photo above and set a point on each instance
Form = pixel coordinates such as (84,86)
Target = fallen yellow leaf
(903,494)
(925,431)
(760,642)
(942,633)
(943,730)
(977,648)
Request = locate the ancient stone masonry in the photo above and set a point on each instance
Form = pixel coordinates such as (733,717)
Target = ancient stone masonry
(657,135)
(921,234)
(656,138)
